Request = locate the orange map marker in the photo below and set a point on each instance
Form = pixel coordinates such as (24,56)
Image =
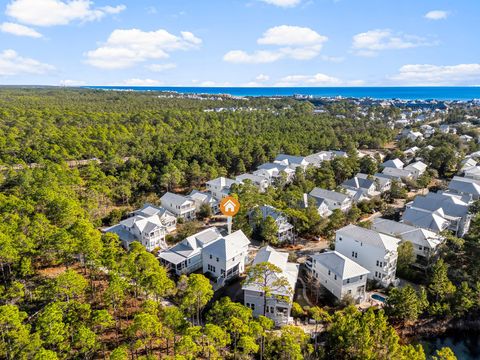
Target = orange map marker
(229,206)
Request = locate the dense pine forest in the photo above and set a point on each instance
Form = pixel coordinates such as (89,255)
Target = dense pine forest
(68,291)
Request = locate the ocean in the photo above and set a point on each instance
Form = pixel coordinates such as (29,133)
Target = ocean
(402,93)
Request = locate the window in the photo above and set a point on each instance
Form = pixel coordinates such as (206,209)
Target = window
(349,291)
(211,257)
(335,277)
(353,253)
(329,272)
(211,268)
(218,259)
(348,281)
(361,277)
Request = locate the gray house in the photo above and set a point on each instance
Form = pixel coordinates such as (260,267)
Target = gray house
(179,205)
(333,199)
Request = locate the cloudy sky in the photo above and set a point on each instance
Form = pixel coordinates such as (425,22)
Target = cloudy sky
(240,42)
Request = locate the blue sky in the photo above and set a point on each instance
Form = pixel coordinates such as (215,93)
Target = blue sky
(240,42)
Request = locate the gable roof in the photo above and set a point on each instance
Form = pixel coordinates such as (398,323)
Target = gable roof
(393,163)
(280,259)
(370,237)
(291,159)
(415,235)
(418,165)
(396,173)
(465,185)
(174,199)
(359,182)
(228,246)
(340,265)
(451,205)
(435,221)
(221,182)
(329,195)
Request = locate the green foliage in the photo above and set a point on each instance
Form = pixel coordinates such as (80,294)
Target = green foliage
(404,304)
(195,291)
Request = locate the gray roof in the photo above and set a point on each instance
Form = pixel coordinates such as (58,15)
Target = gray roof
(415,235)
(426,219)
(418,165)
(291,159)
(369,236)
(279,259)
(329,195)
(359,182)
(465,185)
(452,206)
(221,182)
(229,246)
(175,199)
(393,163)
(340,264)
(381,180)
(190,245)
(396,173)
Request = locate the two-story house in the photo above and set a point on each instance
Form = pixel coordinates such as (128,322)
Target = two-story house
(426,243)
(278,305)
(204,198)
(148,230)
(179,205)
(186,256)
(340,275)
(285,229)
(224,259)
(333,199)
(261,182)
(220,187)
(166,217)
(374,251)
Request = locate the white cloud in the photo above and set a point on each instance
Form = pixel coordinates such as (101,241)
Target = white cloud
(294,42)
(141,82)
(72,83)
(262,78)
(309,80)
(258,57)
(283,3)
(425,74)
(371,42)
(19,30)
(125,48)
(161,67)
(57,12)
(436,15)
(286,35)
(13,64)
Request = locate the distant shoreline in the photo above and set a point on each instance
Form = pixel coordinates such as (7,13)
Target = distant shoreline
(443,93)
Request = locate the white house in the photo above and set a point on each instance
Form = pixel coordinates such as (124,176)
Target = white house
(148,230)
(393,163)
(417,169)
(178,205)
(339,275)
(166,217)
(276,308)
(382,183)
(466,138)
(320,205)
(186,256)
(465,186)
(440,211)
(273,172)
(362,183)
(426,243)
(261,182)
(472,173)
(204,198)
(333,199)
(225,258)
(291,161)
(285,229)
(374,251)
(397,174)
(220,187)
(414,135)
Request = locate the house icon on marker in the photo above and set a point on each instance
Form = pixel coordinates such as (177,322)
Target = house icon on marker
(229,206)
